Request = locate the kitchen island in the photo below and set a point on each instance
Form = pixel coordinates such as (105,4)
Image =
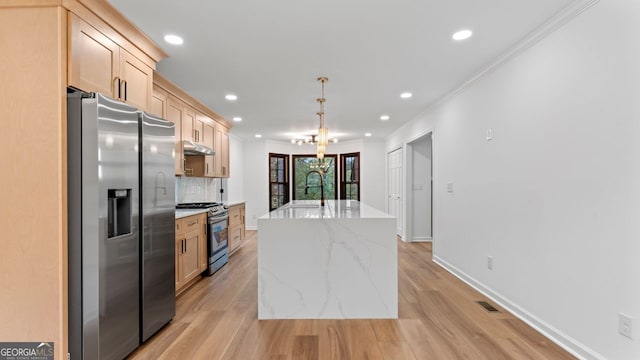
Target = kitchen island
(339,261)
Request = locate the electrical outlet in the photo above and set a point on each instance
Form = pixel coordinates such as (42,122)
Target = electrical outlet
(624,325)
(490,262)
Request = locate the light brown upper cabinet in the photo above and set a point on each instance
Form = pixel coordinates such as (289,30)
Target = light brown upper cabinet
(175,111)
(199,124)
(188,124)
(208,132)
(159,102)
(96,63)
(221,147)
(198,127)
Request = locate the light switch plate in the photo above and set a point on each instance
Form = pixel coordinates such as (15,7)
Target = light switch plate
(489,134)
(624,325)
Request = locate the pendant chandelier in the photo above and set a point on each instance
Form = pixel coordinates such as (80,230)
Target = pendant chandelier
(323,132)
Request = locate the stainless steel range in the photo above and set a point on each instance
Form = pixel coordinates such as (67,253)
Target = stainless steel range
(217,233)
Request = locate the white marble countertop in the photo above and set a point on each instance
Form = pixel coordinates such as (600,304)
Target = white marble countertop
(182,213)
(333,209)
(233,203)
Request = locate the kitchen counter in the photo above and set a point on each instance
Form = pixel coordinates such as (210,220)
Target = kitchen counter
(333,209)
(233,203)
(182,213)
(336,262)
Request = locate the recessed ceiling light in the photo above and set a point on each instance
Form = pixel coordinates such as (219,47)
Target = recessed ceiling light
(237,119)
(231,97)
(258,136)
(406,95)
(367,134)
(173,39)
(335,140)
(462,35)
(384,117)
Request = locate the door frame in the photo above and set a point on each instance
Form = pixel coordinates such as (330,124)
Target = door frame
(408,186)
(400,207)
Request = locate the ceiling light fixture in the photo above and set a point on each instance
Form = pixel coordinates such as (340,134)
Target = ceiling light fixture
(335,140)
(258,136)
(173,39)
(308,139)
(367,134)
(237,119)
(462,35)
(384,117)
(323,132)
(231,97)
(406,95)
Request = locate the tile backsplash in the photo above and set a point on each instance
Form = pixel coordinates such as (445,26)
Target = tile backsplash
(196,189)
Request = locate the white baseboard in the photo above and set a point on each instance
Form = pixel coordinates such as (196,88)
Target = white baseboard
(568,343)
(422,239)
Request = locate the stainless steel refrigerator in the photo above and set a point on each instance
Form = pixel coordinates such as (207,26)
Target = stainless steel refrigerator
(120,222)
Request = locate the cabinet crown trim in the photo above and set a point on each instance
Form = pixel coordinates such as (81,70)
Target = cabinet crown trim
(165,84)
(105,11)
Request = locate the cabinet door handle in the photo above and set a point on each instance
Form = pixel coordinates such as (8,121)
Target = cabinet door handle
(193,223)
(205,229)
(207,168)
(117,81)
(125,90)
(185,245)
(184,165)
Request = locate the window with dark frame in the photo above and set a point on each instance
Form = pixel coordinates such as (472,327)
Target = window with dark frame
(350,176)
(308,188)
(278,180)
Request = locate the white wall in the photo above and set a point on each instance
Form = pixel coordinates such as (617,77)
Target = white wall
(235,183)
(373,169)
(555,197)
(255,172)
(256,181)
(420,189)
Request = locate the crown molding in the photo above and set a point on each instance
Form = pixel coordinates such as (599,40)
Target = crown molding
(557,21)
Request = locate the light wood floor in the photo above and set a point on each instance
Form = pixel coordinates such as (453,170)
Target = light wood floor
(438,319)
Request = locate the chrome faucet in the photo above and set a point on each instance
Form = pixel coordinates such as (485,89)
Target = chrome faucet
(306,183)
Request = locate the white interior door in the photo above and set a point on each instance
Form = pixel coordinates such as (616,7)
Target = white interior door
(394,161)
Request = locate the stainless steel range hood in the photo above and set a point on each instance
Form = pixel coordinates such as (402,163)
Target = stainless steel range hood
(191,148)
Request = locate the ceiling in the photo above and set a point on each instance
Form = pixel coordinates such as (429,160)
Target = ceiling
(269,53)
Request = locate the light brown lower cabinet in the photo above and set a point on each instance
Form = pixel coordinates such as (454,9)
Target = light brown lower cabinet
(236,227)
(191,240)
